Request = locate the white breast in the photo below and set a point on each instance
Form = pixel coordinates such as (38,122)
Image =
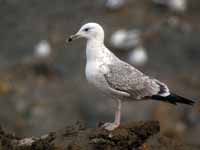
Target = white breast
(91,70)
(97,60)
(95,74)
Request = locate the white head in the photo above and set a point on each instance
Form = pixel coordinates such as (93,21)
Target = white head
(90,31)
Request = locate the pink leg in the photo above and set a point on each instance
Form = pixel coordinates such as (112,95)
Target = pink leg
(116,123)
(118,113)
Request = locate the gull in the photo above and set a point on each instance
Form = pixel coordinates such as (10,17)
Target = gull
(125,39)
(115,4)
(42,49)
(179,6)
(138,56)
(116,78)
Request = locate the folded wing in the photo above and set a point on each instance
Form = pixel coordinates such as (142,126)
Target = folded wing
(123,77)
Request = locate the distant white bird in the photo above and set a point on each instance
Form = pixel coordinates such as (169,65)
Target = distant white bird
(118,79)
(138,56)
(42,49)
(124,39)
(174,5)
(114,4)
(178,5)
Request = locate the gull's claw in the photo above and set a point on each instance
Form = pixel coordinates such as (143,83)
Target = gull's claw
(110,126)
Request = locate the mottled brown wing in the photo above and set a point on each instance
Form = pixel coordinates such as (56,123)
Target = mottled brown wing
(124,77)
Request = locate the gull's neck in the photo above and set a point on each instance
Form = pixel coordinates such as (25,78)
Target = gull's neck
(95,49)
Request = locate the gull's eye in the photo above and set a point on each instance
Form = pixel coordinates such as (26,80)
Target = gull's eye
(86,29)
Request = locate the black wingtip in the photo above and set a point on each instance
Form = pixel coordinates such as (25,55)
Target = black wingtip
(182,100)
(174,99)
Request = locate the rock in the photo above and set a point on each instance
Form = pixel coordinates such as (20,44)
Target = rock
(138,135)
(127,136)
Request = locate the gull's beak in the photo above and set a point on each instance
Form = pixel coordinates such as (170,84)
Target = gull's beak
(73,37)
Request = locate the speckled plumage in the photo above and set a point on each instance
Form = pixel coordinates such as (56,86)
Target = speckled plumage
(123,77)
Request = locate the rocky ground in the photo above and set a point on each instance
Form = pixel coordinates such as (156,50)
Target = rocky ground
(39,96)
(134,136)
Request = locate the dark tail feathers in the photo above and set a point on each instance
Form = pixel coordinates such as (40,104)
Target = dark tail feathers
(173,99)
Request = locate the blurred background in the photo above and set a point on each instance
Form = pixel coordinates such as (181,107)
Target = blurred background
(42,80)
